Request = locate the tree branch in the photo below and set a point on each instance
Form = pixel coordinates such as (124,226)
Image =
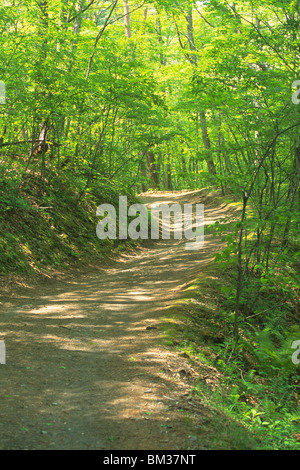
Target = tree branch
(203,17)
(81,11)
(98,38)
(262,36)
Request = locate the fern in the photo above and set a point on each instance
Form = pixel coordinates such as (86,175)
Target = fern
(272,350)
(269,408)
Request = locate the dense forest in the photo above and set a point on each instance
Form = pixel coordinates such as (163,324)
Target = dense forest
(104,98)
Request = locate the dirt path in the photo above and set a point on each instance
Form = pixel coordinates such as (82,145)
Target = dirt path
(85,368)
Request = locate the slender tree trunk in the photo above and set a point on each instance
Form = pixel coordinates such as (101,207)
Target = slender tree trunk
(220,141)
(160,39)
(127,19)
(190,34)
(42,124)
(145,13)
(169,185)
(206,142)
(193,59)
(297,162)
(169,176)
(152,169)
(183,162)
(239,270)
(144,173)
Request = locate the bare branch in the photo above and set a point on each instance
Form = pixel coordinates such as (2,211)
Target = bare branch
(81,11)
(203,17)
(98,38)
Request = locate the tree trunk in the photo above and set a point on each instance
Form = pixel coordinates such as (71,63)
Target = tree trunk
(193,59)
(206,142)
(127,19)
(152,169)
(190,34)
(160,39)
(144,174)
(297,163)
(145,13)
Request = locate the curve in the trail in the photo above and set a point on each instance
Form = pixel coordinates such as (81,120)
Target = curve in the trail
(85,368)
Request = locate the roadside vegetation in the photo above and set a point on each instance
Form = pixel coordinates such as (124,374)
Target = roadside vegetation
(108,98)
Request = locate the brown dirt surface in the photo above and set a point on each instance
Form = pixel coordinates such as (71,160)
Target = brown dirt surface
(86,367)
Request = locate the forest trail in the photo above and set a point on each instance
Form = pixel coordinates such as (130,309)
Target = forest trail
(85,371)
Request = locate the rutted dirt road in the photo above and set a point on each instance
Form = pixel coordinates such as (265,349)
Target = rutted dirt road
(85,365)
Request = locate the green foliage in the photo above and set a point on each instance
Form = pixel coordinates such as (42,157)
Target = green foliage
(54,229)
(271,348)
(198,97)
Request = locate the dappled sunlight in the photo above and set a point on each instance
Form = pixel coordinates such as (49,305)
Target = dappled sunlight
(88,346)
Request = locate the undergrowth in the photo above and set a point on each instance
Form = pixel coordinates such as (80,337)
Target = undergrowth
(254,380)
(51,223)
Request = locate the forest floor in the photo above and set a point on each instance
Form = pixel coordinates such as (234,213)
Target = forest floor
(86,364)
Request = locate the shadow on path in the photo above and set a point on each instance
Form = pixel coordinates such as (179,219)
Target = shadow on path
(85,369)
